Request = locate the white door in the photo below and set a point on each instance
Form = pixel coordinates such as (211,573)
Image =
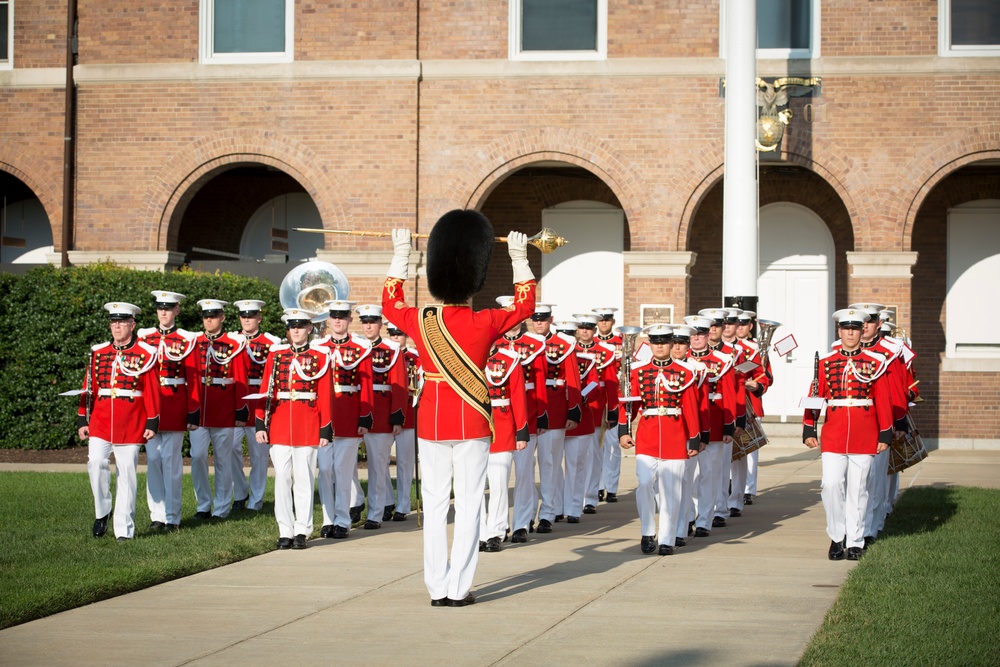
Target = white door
(590,271)
(795,287)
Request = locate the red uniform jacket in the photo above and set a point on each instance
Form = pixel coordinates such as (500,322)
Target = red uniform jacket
(177,377)
(351,377)
(505,380)
(562,382)
(388,386)
(529,347)
(762,376)
(412,359)
(612,381)
(858,377)
(736,351)
(442,414)
(221,380)
(907,355)
(122,391)
(256,351)
(897,379)
(719,390)
(669,423)
(591,405)
(298,384)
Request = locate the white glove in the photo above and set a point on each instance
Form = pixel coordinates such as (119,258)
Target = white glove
(517,248)
(400,265)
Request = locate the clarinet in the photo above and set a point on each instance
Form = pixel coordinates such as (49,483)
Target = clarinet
(814,390)
(269,402)
(87,391)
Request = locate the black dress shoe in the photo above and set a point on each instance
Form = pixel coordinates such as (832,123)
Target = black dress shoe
(203,515)
(680,542)
(544,526)
(869,540)
(482,545)
(531,526)
(701,532)
(356,513)
(240,504)
(157,526)
(560,517)
(733,512)
(372,525)
(398,516)
(648,544)
(100,526)
(128,539)
(326,531)
(299,542)
(718,522)
(492,545)
(747,499)
(440,602)
(506,535)
(612,497)
(519,536)
(589,509)
(284,543)
(690,528)
(464,602)
(572,519)
(173,527)
(339,533)
(836,551)
(387,512)
(854,553)
(666,550)
(600,495)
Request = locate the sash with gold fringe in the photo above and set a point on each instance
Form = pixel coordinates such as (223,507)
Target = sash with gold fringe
(460,372)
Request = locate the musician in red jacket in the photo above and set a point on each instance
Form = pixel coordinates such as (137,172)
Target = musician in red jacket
(510,433)
(858,426)
(293,418)
(668,434)
(406,439)
(178,411)
(611,453)
(603,402)
(756,386)
(119,412)
(579,440)
(453,415)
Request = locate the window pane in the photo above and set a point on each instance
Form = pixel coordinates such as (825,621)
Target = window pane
(784,24)
(4,26)
(975,22)
(558,25)
(249,26)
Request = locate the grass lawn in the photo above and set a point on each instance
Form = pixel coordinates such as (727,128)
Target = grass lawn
(49,562)
(928,592)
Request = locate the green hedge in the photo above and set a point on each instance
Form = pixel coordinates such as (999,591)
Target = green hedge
(49,318)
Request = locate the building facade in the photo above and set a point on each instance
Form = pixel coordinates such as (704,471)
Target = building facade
(207,129)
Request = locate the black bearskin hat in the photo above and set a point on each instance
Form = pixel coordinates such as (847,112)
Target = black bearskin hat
(458,252)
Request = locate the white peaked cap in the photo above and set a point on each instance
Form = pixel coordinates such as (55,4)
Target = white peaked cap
(248,305)
(872,309)
(339,305)
(585,318)
(699,321)
(659,330)
(885,315)
(297,315)
(605,311)
(569,326)
(212,304)
(846,316)
(684,331)
(369,310)
(732,312)
(718,314)
(746,316)
(118,310)
(544,308)
(163,296)
(505,301)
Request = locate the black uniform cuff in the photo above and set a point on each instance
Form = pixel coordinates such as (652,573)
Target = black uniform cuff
(885,436)
(741,422)
(397,418)
(808,432)
(623,430)
(759,391)
(153,424)
(243,414)
(574,414)
(728,429)
(613,417)
(522,434)
(81,421)
(326,432)
(902,425)
(366,422)
(258,426)
(194,418)
(706,437)
(543,421)
(694,443)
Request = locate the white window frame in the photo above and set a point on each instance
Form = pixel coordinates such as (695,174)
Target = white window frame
(945,47)
(9,63)
(206,21)
(778,54)
(514,38)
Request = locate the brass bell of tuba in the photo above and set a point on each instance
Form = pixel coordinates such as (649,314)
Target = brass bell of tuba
(311,284)
(628,334)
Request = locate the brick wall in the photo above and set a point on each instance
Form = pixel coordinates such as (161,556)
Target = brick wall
(880,28)
(39,34)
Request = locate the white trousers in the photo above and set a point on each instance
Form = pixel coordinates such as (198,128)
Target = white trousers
(612,456)
(99,468)
(164,476)
(738,482)
(660,485)
(495,522)
(405,465)
(708,481)
(525,491)
(577,450)
(550,472)
(440,462)
(222,449)
(294,469)
(379,447)
(686,513)
(845,495)
(338,470)
(878,494)
(752,463)
(722,490)
(594,469)
(251,488)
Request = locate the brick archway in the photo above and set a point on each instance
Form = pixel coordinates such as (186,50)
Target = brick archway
(176,183)
(936,163)
(491,164)
(47,189)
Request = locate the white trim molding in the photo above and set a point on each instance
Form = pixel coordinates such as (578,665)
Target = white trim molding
(659,264)
(206,47)
(154,260)
(881,264)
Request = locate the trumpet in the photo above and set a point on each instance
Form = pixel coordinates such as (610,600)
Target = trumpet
(546,240)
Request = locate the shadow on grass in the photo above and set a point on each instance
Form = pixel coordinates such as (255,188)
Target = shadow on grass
(922,510)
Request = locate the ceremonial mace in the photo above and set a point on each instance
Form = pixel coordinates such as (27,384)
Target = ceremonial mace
(546,240)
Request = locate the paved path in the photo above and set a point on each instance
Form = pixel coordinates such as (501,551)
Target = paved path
(751,594)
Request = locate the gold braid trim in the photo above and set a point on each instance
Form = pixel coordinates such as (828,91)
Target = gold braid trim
(461,374)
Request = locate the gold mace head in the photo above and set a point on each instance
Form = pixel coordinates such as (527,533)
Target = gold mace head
(547,240)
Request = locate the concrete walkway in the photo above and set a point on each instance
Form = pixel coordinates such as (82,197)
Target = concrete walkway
(751,594)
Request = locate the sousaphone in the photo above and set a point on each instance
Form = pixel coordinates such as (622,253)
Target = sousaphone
(311,284)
